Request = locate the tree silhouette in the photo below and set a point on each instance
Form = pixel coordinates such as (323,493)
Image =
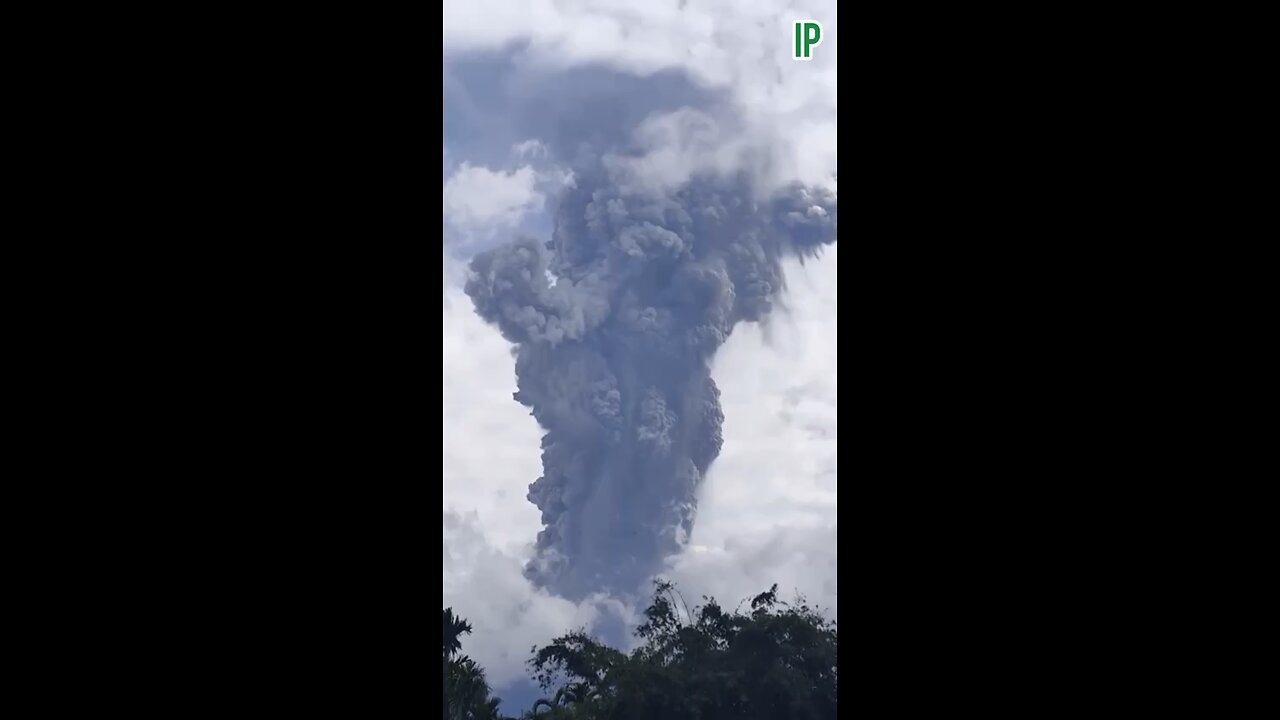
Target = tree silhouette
(465,691)
(454,629)
(776,663)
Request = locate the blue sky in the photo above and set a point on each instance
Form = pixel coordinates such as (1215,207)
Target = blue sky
(684,87)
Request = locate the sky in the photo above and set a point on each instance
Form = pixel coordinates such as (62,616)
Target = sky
(686,87)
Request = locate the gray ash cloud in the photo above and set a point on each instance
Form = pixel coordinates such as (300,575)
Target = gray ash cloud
(613,356)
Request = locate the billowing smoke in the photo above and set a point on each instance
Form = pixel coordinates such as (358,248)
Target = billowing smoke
(615,322)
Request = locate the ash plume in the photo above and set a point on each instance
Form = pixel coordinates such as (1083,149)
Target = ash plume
(615,322)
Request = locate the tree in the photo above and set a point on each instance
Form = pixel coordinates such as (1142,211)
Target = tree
(777,662)
(454,629)
(466,691)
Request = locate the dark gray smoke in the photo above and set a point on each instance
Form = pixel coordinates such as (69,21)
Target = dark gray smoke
(613,356)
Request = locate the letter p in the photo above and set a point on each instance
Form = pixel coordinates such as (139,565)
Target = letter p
(808,36)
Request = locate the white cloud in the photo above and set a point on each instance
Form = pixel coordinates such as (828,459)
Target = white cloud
(484,585)
(480,198)
(529,149)
(480,204)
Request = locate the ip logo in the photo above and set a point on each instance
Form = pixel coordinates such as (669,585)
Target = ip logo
(808,37)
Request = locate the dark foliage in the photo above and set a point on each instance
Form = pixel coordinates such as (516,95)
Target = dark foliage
(775,662)
(466,692)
